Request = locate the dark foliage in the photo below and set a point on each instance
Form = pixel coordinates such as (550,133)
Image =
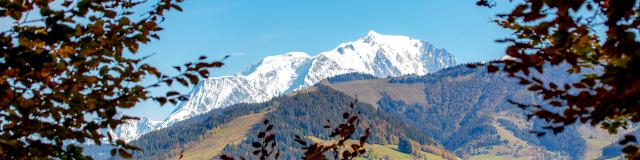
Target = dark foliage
(565,32)
(405,146)
(69,70)
(264,149)
(350,77)
(340,149)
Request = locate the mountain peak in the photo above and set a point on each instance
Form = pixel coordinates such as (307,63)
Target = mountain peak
(269,63)
(372,33)
(371,36)
(286,57)
(376,54)
(374,37)
(302,55)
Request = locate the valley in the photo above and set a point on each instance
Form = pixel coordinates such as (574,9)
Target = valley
(443,109)
(479,125)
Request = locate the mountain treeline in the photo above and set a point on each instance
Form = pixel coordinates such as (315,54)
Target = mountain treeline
(305,114)
(462,111)
(462,105)
(167,142)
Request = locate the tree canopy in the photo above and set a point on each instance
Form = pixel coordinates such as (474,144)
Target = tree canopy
(69,67)
(597,39)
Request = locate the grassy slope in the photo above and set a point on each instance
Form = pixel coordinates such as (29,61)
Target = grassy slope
(215,140)
(493,157)
(378,151)
(393,153)
(596,139)
(370,91)
(518,148)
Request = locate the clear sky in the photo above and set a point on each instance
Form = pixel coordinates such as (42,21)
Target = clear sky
(249,30)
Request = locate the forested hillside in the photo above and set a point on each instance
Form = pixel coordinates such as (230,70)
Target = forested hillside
(467,111)
(167,142)
(303,113)
(458,109)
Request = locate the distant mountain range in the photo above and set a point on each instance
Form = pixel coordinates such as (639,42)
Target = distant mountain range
(374,54)
(407,91)
(455,113)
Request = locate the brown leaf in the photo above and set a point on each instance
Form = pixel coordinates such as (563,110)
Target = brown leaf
(492,68)
(183,82)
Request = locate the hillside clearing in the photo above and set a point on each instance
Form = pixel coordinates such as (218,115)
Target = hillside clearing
(377,151)
(371,91)
(216,139)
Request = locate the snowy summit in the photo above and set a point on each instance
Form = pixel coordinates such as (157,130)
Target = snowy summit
(376,54)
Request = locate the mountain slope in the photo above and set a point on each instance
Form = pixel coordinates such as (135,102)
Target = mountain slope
(456,109)
(133,128)
(457,106)
(228,134)
(375,54)
(466,110)
(301,113)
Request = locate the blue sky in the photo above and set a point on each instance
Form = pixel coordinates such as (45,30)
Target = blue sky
(250,30)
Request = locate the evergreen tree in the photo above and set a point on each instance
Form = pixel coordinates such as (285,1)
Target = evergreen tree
(405,146)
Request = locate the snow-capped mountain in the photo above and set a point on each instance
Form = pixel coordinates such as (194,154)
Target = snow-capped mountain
(135,128)
(272,76)
(375,54)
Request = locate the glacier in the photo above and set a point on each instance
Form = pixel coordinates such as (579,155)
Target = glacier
(376,54)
